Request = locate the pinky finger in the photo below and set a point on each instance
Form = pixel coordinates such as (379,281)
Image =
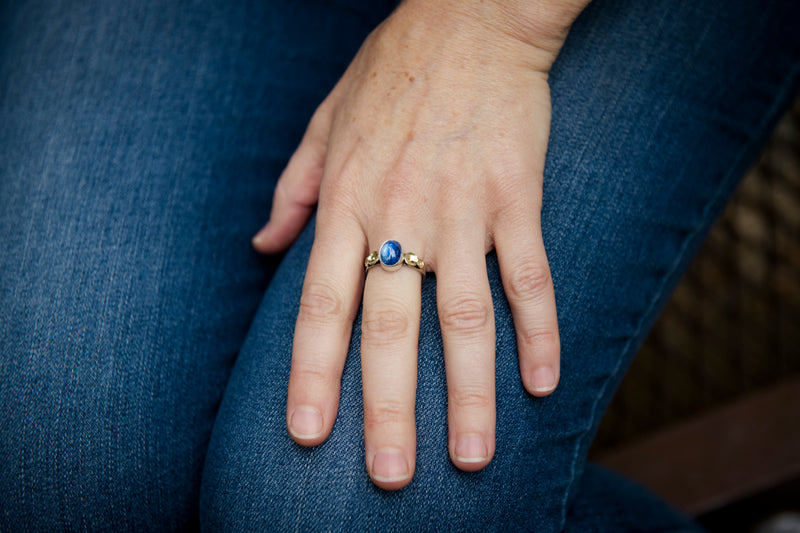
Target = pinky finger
(529,289)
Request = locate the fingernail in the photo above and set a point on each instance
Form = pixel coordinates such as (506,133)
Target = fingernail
(306,422)
(471,448)
(258,238)
(544,380)
(389,465)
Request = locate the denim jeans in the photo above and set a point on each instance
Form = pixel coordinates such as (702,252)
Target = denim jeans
(145,348)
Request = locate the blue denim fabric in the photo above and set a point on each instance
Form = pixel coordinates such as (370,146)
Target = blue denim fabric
(139,144)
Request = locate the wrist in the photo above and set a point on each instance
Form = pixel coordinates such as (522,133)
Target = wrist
(542,25)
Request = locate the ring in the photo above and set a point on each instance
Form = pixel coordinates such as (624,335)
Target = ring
(391,257)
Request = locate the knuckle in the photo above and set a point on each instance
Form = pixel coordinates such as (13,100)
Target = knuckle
(470,398)
(399,187)
(451,182)
(509,183)
(311,373)
(544,342)
(340,205)
(508,177)
(321,304)
(386,412)
(529,282)
(467,313)
(399,190)
(281,193)
(384,326)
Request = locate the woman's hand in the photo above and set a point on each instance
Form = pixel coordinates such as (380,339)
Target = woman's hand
(435,137)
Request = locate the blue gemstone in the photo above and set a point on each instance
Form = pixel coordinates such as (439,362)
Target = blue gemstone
(391,253)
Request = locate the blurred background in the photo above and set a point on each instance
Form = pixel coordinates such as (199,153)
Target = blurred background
(709,414)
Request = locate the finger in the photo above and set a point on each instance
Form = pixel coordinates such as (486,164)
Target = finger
(297,190)
(529,289)
(466,316)
(328,305)
(389,342)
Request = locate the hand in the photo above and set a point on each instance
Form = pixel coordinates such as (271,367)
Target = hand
(436,137)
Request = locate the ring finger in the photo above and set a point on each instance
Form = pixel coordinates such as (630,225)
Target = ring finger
(389,342)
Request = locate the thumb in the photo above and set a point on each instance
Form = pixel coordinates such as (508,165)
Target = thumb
(297,190)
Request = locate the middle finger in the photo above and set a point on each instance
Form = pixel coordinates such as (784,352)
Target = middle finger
(466,316)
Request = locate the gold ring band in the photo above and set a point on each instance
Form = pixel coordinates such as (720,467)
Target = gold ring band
(391,257)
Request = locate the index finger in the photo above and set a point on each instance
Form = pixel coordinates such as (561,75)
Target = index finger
(328,305)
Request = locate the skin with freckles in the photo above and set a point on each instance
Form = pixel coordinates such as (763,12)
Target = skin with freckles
(435,137)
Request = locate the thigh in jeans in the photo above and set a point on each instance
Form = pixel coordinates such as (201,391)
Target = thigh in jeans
(658,108)
(139,144)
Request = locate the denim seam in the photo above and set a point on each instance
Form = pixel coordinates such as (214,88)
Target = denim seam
(732,175)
